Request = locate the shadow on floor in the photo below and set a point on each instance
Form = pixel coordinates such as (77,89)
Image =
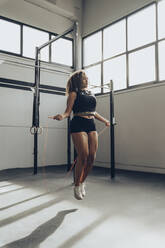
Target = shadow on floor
(78,236)
(41,233)
(32,210)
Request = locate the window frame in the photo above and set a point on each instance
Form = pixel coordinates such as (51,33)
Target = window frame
(83,58)
(15,22)
(50,51)
(21,43)
(127,52)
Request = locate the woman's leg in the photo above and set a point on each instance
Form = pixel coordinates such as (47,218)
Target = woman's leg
(80,141)
(93,145)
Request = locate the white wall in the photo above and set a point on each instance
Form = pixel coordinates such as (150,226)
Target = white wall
(140,130)
(53,142)
(139,113)
(41,17)
(97,14)
(22,69)
(16,146)
(16,143)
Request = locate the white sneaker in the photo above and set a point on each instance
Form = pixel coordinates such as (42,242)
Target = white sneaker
(82,185)
(77,193)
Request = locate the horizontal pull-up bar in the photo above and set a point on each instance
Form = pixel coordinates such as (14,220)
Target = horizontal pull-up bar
(106,85)
(57,37)
(51,90)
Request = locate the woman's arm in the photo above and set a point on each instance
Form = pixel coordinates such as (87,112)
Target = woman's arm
(68,110)
(102,119)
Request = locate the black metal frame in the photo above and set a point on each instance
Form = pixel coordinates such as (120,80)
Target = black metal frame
(36,99)
(68,145)
(112,130)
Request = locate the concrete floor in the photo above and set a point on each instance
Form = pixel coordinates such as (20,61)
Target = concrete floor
(41,212)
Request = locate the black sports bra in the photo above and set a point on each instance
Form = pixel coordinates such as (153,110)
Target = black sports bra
(85,102)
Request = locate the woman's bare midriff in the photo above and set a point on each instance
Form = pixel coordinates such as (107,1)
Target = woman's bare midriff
(87,116)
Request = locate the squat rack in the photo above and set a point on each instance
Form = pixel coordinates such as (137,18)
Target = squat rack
(35,129)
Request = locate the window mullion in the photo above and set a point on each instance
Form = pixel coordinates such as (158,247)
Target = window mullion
(102,58)
(127,55)
(21,41)
(156,47)
(50,49)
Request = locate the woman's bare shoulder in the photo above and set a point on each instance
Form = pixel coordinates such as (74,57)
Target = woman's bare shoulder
(72,94)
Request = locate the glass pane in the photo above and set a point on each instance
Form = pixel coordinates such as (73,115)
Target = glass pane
(10,36)
(115,39)
(142,66)
(161,60)
(161,19)
(32,38)
(94,77)
(62,52)
(92,49)
(115,69)
(142,27)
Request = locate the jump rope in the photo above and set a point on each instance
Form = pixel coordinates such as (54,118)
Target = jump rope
(105,86)
(43,160)
(40,131)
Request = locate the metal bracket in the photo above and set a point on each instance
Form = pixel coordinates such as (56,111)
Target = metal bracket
(34,130)
(114,121)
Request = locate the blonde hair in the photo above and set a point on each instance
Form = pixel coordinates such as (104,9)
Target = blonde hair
(75,82)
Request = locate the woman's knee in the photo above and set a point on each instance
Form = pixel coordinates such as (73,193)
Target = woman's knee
(83,157)
(91,158)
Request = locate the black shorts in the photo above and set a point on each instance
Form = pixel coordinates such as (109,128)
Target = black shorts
(81,124)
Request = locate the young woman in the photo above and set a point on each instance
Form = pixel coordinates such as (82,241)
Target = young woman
(83,130)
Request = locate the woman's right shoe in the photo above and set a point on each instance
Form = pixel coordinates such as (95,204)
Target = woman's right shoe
(82,185)
(77,193)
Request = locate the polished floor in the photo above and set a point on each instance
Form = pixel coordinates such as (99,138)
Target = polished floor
(41,212)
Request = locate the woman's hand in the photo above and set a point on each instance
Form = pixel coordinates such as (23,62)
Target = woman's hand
(56,117)
(107,123)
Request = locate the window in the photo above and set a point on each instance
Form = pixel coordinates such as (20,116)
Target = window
(162,60)
(10,36)
(94,78)
(161,19)
(22,40)
(115,69)
(128,57)
(142,66)
(142,27)
(62,51)
(115,39)
(93,49)
(32,38)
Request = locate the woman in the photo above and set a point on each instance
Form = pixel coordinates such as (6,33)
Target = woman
(83,130)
